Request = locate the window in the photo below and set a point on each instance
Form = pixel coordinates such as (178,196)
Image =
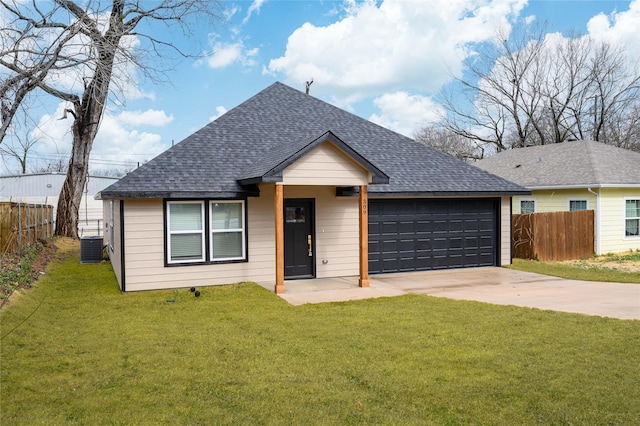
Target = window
(527,206)
(205,231)
(227,230)
(185,231)
(577,205)
(632,218)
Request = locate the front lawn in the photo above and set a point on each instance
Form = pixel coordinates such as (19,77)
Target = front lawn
(621,268)
(76,351)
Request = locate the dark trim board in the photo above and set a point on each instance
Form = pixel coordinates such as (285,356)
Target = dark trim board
(122,268)
(426,234)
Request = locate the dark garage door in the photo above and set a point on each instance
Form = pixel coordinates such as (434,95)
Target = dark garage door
(425,234)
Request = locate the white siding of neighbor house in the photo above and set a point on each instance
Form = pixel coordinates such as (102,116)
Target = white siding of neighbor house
(325,165)
(556,200)
(505,231)
(612,204)
(613,220)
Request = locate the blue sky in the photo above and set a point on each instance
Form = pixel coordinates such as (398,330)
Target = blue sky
(385,61)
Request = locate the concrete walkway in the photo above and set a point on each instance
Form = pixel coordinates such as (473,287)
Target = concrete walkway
(492,285)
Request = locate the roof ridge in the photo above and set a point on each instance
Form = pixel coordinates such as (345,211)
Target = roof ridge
(592,163)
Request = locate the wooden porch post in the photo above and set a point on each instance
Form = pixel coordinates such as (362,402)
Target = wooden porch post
(364,237)
(278,205)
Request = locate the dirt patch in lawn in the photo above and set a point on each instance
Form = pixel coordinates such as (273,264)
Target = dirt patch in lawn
(623,262)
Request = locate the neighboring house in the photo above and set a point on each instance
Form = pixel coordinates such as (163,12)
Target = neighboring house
(44,188)
(288,186)
(579,175)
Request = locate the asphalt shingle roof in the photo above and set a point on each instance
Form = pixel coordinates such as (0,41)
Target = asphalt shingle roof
(568,164)
(280,120)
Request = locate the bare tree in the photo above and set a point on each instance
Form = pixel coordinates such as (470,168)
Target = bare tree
(21,142)
(534,88)
(501,92)
(444,140)
(20,150)
(52,166)
(90,40)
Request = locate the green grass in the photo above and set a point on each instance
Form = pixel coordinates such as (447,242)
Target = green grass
(76,351)
(580,271)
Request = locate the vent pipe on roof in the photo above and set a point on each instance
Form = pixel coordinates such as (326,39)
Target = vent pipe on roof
(307,84)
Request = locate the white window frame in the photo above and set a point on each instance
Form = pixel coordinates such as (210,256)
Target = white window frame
(201,232)
(241,230)
(533,200)
(586,202)
(624,224)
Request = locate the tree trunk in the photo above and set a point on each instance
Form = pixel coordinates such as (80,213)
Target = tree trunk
(73,187)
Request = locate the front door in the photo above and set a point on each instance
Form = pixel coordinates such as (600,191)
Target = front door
(299,238)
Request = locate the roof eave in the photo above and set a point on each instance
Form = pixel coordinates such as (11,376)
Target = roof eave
(583,186)
(260,179)
(249,192)
(352,191)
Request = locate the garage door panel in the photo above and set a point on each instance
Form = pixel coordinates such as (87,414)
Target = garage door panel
(425,234)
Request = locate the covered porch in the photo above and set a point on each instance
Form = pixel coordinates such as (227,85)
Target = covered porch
(317,231)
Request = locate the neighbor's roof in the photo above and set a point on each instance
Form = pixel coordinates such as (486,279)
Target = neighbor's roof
(567,165)
(254,141)
(46,184)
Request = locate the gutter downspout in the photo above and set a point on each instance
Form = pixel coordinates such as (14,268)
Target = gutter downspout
(598,209)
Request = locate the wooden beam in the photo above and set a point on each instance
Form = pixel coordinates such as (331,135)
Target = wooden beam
(364,237)
(279,225)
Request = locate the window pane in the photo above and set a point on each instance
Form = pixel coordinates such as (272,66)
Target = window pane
(577,205)
(294,215)
(186,246)
(633,208)
(227,245)
(527,206)
(226,216)
(185,217)
(632,227)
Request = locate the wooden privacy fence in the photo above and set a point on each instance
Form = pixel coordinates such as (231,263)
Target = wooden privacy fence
(22,224)
(553,236)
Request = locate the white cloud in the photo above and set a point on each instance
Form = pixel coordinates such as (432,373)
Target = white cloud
(396,44)
(255,7)
(230,12)
(227,54)
(224,54)
(122,137)
(405,113)
(54,132)
(150,117)
(117,142)
(220,111)
(619,28)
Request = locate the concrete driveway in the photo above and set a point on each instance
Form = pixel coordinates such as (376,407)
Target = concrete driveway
(492,285)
